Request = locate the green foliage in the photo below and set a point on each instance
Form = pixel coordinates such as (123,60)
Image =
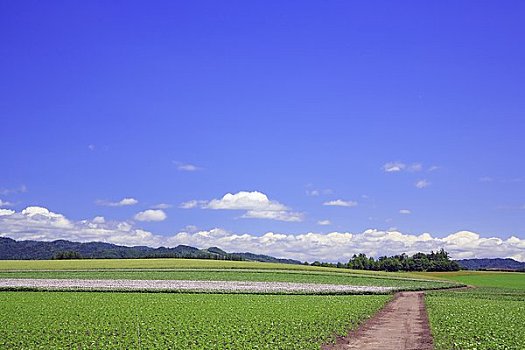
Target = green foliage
(491,316)
(65,320)
(68,254)
(435,261)
(481,320)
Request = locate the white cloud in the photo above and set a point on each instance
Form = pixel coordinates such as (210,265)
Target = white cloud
(324,222)
(123,202)
(38,223)
(394,167)
(19,189)
(99,220)
(151,215)
(256,204)
(340,246)
(405,211)
(91,147)
(245,201)
(6,212)
(340,203)
(422,184)
(162,206)
(187,167)
(415,167)
(313,193)
(192,204)
(5,203)
(41,224)
(280,215)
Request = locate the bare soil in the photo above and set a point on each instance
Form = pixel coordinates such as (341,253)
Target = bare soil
(401,325)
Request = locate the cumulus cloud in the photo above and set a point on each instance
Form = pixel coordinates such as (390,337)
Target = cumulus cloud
(324,222)
(5,203)
(422,183)
(122,203)
(340,203)
(151,215)
(6,212)
(340,246)
(99,220)
(256,204)
(405,211)
(41,224)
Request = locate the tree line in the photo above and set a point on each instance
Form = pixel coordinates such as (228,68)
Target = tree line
(435,261)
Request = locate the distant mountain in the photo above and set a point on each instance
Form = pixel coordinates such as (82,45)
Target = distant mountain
(491,264)
(62,249)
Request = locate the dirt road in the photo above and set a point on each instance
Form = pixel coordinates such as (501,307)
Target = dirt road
(400,325)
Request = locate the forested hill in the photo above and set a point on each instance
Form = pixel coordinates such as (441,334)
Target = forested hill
(491,264)
(62,249)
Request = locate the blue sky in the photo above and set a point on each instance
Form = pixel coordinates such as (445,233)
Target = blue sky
(304,102)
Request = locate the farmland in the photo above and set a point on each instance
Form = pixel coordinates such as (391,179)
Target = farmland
(325,277)
(186,321)
(32,320)
(490,316)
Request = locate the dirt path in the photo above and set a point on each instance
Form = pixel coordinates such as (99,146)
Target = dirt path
(401,325)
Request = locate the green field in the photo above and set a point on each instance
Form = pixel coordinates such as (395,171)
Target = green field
(489,316)
(508,280)
(180,264)
(125,320)
(38,320)
(326,277)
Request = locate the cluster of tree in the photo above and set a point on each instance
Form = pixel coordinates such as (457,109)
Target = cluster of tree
(435,261)
(67,255)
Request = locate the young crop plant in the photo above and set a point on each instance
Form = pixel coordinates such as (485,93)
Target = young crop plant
(91,320)
(477,320)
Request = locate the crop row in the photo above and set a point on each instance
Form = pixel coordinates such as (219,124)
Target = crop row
(480,319)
